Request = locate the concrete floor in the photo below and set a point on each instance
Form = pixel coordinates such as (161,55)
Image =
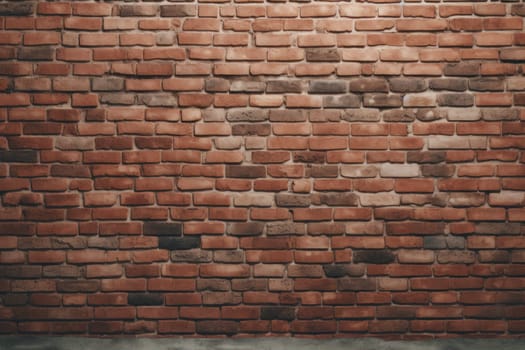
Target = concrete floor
(73,343)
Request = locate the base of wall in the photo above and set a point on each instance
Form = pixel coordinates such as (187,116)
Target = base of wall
(66,343)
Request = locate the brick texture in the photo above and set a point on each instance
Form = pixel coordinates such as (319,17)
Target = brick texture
(262,168)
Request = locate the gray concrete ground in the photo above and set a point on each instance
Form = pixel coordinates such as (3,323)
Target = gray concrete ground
(77,343)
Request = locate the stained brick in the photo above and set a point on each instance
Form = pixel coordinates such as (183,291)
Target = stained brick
(162,229)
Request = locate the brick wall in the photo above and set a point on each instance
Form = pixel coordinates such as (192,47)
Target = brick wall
(253,168)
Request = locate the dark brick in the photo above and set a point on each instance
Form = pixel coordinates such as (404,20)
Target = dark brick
(334,271)
(108,84)
(373,256)
(15,299)
(434,242)
(368,85)
(462,69)
(323,55)
(498,228)
(357,284)
(487,84)
(249,285)
(137,10)
(19,156)
(407,85)
(229,256)
(280,86)
(21,228)
(62,170)
(41,53)
(426,157)
(336,199)
(342,101)
(456,100)
(247,115)
(245,171)
(178,10)
(245,229)
(395,312)
(217,85)
(449,84)
(17,9)
(191,256)
(153,228)
(19,271)
(278,313)
(519,99)
(117,99)
(77,286)
(327,87)
(282,115)
(437,170)
(309,157)
(382,100)
(330,171)
(213,284)
(179,243)
(217,327)
(454,242)
(518,10)
(292,200)
(145,299)
(251,129)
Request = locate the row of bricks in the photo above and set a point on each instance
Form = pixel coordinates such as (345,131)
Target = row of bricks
(264,214)
(398,239)
(365,120)
(256,88)
(268,313)
(389,58)
(87,136)
(255,290)
(261,199)
(232,27)
(338,36)
(388,329)
(344,101)
(405,256)
(267,185)
(159,149)
(274,86)
(274,10)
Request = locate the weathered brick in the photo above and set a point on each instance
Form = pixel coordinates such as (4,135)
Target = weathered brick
(342,101)
(247,115)
(404,85)
(178,10)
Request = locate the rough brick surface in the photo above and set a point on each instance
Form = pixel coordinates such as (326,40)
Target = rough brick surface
(262,168)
